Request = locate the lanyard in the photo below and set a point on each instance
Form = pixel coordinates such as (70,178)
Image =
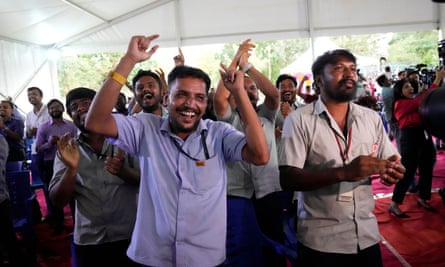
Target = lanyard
(204,145)
(344,155)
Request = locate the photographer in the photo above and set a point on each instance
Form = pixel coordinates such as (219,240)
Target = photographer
(417,149)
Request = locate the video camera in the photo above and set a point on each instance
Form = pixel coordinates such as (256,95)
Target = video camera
(427,76)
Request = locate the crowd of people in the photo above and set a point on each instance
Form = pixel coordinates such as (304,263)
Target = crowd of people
(153,182)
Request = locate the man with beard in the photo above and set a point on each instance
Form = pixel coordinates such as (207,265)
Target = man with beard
(258,186)
(182,200)
(330,150)
(48,134)
(147,88)
(103,181)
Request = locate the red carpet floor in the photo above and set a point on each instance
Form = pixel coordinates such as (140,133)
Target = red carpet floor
(418,241)
(53,250)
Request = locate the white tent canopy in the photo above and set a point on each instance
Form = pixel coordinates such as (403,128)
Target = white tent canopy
(29,28)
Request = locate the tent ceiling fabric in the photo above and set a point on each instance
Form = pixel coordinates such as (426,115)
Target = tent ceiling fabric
(30,28)
(79,26)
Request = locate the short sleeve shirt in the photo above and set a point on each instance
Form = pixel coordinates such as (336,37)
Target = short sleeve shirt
(245,179)
(181,218)
(325,223)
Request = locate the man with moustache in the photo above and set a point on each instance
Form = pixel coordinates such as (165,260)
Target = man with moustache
(182,200)
(12,129)
(48,134)
(256,186)
(330,149)
(103,181)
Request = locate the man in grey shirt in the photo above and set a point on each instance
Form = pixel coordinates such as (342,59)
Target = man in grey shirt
(330,150)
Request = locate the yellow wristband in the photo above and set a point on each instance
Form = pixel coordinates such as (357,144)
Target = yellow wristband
(117,77)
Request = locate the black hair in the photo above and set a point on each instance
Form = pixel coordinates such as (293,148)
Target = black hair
(35,88)
(55,100)
(381,79)
(78,93)
(330,57)
(9,102)
(397,93)
(142,73)
(186,72)
(283,77)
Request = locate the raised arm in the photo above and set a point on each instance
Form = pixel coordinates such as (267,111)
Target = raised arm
(256,150)
(99,119)
(271,93)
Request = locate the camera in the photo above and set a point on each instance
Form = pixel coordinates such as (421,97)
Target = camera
(441,51)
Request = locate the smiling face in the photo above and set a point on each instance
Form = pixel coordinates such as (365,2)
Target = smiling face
(338,81)
(187,102)
(79,108)
(148,93)
(288,91)
(55,110)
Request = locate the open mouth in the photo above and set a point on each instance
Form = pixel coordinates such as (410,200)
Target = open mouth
(148,96)
(190,114)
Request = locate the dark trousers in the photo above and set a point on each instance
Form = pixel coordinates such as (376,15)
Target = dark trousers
(108,254)
(368,257)
(244,238)
(8,238)
(417,151)
(16,155)
(56,214)
(269,211)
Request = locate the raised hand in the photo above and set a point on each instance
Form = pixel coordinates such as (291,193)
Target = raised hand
(285,109)
(179,59)
(245,48)
(139,47)
(233,79)
(68,151)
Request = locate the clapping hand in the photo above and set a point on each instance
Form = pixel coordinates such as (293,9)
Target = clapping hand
(233,79)
(114,164)
(68,151)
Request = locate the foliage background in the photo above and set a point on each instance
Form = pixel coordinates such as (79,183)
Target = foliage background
(400,50)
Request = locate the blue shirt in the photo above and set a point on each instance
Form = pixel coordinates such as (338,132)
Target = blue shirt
(4,150)
(17,126)
(181,216)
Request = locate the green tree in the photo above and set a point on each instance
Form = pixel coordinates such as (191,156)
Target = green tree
(269,56)
(411,48)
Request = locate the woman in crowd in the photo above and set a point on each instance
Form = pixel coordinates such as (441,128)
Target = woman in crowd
(417,149)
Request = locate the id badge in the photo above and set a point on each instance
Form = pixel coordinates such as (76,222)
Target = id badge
(345,192)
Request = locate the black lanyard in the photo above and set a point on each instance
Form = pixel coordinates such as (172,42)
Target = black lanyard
(204,145)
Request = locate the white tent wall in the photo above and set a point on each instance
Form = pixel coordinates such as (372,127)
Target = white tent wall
(86,26)
(23,66)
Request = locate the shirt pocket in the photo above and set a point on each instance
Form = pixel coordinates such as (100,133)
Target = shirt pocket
(207,175)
